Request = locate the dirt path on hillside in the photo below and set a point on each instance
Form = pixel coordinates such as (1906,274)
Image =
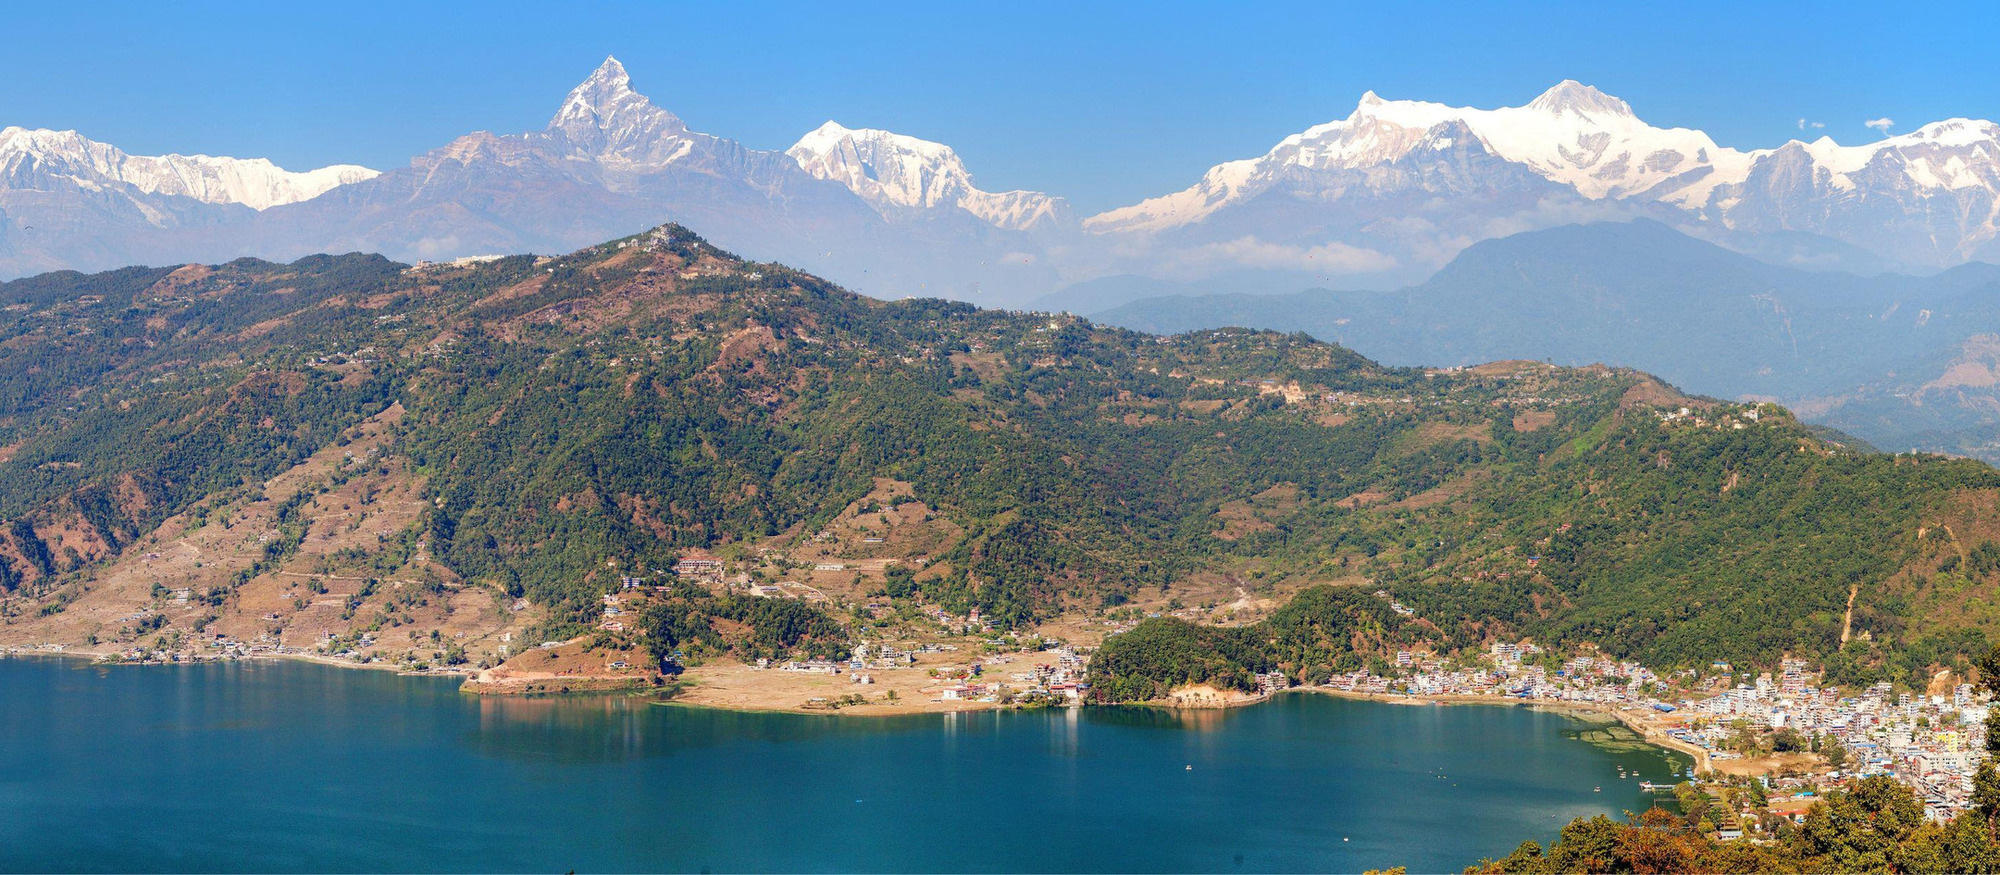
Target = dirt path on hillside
(1847,622)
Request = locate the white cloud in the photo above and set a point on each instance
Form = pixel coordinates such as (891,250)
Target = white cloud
(436,248)
(1803,124)
(1254,253)
(1882,124)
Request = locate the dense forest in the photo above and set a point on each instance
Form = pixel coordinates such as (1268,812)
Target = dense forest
(572,419)
(1322,631)
(692,624)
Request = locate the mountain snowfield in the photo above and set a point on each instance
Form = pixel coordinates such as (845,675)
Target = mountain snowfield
(1932,191)
(897,172)
(31,156)
(1572,134)
(1380,198)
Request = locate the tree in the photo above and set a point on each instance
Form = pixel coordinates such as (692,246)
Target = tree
(1788,740)
(1986,792)
(1588,846)
(1861,829)
(1962,845)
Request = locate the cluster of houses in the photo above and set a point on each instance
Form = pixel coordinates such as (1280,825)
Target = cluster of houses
(1059,680)
(1400,608)
(699,570)
(614,613)
(1063,679)
(973,621)
(1932,742)
(1734,418)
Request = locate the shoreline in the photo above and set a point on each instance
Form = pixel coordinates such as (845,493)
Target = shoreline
(108,658)
(1637,723)
(586,685)
(1647,733)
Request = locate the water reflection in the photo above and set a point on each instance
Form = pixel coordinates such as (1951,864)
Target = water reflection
(1178,719)
(588,729)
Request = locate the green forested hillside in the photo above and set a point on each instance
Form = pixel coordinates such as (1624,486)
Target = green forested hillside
(571,420)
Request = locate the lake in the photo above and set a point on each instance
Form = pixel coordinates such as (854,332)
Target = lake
(288,766)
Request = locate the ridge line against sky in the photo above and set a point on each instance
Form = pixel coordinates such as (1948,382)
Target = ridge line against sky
(1105,106)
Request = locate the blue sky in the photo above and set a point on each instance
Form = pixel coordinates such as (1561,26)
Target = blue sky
(1104,104)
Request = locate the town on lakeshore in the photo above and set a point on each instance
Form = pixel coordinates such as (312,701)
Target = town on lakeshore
(1783,730)
(1795,736)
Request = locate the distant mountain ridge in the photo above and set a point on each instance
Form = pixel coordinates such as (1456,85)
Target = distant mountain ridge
(42,157)
(608,163)
(1380,198)
(1398,187)
(1903,362)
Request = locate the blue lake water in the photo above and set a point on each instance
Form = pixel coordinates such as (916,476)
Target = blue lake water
(274,766)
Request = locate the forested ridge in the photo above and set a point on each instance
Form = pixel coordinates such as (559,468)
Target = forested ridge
(571,420)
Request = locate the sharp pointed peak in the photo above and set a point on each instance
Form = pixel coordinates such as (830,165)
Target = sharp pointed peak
(604,104)
(1370,98)
(1573,96)
(608,81)
(610,71)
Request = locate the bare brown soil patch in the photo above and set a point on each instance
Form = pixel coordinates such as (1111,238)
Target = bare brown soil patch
(1534,419)
(1649,392)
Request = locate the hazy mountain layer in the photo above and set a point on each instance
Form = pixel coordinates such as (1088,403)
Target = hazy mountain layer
(1903,362)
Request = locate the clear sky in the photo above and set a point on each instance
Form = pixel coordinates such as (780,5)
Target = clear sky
(1103,104)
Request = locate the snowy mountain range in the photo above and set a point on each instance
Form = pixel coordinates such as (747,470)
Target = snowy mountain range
(1382,197)
(48,158)
(1924,199)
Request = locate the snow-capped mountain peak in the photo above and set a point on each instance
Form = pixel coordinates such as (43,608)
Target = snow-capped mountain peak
(1572,96)
(31,159)
(896,173)
(1572,134)
(604,119)
(883,166)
